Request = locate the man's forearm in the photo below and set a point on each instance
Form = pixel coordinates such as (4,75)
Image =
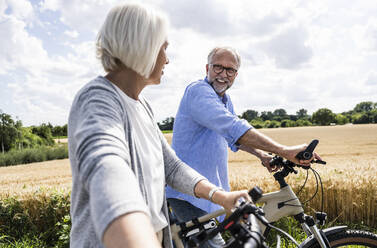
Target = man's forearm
(253,140)
(255,152)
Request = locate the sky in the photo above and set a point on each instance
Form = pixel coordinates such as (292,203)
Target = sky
(294,54)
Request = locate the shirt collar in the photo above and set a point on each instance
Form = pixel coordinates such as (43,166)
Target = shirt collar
(224,98)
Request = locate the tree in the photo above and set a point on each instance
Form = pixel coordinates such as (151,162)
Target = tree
(44,132)
(280,114)
(65,130)
(20,136)
(8,132)
(373,116)
(302,114)
(323,116)
(249,115)
(363,107)
(266,115)
(56,131)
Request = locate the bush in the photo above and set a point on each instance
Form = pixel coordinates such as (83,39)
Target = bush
(288,123)
(341,119)
(301,123)
(271,124)
(257,124)
(40,154)
(41,217)
(360,118)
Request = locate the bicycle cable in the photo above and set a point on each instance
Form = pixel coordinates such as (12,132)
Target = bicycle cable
(322,195)
(316,190)
(306,179)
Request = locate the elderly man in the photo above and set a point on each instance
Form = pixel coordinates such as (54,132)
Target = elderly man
(206,124)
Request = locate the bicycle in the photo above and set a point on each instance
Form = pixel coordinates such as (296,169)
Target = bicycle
(250,224)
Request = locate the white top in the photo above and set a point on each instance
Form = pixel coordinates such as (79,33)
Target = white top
(147,140)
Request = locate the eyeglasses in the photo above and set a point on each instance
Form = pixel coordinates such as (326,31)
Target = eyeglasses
(230,72)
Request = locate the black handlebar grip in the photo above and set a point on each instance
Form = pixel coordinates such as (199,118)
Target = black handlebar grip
(308,153)
(320,161)
(255,193)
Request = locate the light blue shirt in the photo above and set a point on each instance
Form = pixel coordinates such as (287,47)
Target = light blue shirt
(205,125)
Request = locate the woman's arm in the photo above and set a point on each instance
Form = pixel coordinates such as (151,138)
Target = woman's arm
(223,198)
(132,230)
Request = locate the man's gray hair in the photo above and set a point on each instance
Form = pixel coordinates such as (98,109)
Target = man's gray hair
(230,49)
(131,36)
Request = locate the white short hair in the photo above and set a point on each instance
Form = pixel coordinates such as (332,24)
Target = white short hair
(131,36)
(236,55)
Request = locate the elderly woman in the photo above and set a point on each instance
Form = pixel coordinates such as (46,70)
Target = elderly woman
(120,160)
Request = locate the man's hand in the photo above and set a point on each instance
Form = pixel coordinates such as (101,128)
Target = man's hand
(290,153)
(265,160)
(253,140)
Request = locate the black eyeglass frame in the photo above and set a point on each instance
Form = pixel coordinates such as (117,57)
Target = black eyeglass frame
(230,72)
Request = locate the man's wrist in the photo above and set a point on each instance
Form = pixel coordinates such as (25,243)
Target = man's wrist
(278,149)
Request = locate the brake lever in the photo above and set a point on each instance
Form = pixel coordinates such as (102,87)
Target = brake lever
(318,161)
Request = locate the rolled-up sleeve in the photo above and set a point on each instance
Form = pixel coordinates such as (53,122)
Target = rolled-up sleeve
(209,111)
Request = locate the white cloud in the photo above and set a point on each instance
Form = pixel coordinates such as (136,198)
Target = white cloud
(295,54)
(19,49)
(41,86)
(289,49)
(20,9)
(71,33)
(371,80)
(371,35)
(81,15)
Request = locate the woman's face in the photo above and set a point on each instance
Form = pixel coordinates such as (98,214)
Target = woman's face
(162,60)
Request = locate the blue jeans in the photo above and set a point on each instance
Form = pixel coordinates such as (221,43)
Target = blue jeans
(184,211)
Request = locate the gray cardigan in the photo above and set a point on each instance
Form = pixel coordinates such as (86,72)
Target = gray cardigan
(107,178)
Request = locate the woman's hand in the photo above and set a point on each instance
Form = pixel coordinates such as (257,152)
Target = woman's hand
(218,196)
(228,200)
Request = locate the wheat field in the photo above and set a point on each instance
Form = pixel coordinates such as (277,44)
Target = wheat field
(349,176)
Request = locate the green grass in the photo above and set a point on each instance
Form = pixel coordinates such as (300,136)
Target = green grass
(24,242)
(293,228)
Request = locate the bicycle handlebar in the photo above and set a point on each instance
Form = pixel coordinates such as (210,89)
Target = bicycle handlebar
(243,226)
(305,155)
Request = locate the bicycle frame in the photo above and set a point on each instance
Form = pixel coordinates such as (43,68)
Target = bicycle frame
(273,209)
